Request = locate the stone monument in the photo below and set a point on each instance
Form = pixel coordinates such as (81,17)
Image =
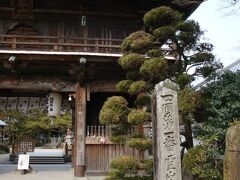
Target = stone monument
(232,153)
(167,160)
(69,138)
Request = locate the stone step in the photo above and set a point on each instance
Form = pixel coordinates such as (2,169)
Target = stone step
(43,160)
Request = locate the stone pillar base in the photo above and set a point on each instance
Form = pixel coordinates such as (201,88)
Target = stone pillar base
(79,171)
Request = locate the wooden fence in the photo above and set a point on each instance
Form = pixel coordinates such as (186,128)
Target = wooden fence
(100,150)
(105,131)
(99,156)
(99,130)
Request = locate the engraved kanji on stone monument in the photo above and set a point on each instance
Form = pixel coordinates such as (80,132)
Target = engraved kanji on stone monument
(166,133)
(168,118)
(169,141)
(171,168)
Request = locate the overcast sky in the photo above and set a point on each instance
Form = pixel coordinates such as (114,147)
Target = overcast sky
(222,29)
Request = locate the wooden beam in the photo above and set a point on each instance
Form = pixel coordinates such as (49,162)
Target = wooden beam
(102,86)
(58,56)
(71,12)
(58,85)
(6,9)
(80,131)
(37,84)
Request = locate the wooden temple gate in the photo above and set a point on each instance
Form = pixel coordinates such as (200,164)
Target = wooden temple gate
(70,47)
(92,142)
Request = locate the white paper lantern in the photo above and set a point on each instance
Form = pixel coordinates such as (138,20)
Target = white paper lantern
(54,104)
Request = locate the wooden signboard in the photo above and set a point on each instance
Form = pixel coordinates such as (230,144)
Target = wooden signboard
(25,144)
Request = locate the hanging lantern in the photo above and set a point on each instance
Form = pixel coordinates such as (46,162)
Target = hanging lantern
(54,104)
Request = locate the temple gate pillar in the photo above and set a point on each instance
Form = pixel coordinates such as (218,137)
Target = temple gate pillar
(80,128)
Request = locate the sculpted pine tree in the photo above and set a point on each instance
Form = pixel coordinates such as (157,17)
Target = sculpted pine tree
(146,63)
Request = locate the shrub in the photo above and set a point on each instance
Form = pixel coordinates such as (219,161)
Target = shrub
(114,111)
(139,178)
(4,148)
(183,80)
(155,53)
(123,86)
(154,68)
(134,75)
(188,33)
(141,144)
(201,57)
(189,100)
(188,26)
(223,105)
(114,174)
(120,129)
(202,162)
(137,87)
(164,32)
(148,166)
(161,16)
(143,100)
(138,42)
(118,139)
(138,117)
(131,61)
(125,165)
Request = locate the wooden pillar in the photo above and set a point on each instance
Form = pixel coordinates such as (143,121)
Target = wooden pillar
(80,128)
(74,130)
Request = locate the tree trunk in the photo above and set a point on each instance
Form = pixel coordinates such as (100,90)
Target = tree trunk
(188,132)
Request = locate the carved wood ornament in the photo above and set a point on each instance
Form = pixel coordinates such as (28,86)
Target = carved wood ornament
(23,9)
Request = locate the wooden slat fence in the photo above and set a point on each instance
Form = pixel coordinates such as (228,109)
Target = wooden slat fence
(99,154)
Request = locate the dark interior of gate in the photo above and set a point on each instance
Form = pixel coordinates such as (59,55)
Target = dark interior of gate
(69,47)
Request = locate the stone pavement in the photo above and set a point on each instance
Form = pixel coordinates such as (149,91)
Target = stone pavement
(41,172)
(45,175)
(4,159)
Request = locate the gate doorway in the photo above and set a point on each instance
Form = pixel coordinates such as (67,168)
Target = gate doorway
(99,149)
